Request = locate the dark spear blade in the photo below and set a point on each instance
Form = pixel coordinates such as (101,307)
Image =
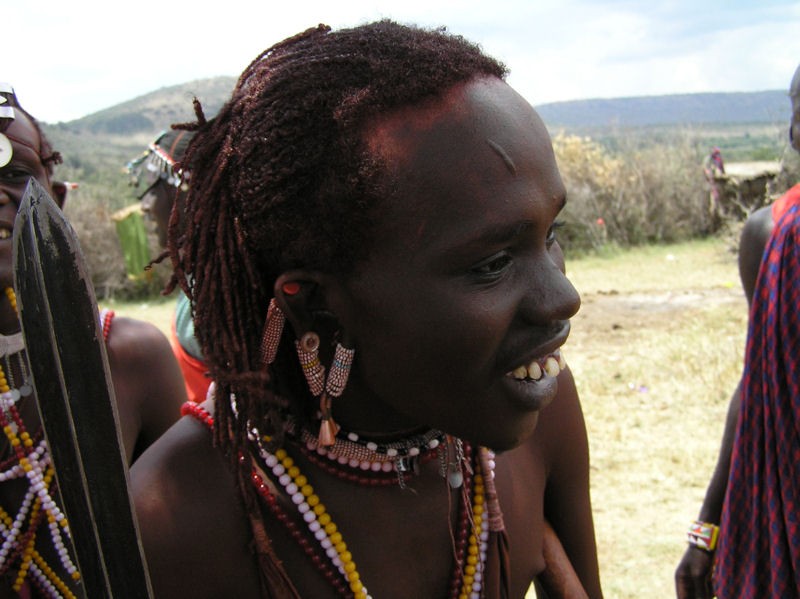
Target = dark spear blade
(71,376)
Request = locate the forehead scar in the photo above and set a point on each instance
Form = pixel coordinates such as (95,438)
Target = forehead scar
(498,149)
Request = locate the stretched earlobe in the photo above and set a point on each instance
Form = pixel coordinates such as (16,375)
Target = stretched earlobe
(285,292)
(297,295)
(302,295)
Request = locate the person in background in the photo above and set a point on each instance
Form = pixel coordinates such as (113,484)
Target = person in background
(713,169)
(744,530)
(369,245)
(158,170)
(35,557)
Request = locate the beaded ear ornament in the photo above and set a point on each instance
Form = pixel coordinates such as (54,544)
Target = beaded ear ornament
(322,385)
(7,102)
(392,462)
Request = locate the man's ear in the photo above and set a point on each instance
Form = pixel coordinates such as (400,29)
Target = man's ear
(302,295)
(59,192)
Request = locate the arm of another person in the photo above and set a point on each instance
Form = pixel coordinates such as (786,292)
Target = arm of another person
(148,384)
(693,575)
(568,508)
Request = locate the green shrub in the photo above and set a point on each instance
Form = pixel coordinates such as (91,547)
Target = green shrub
(637,194)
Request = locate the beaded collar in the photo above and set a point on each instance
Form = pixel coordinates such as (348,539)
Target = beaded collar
(332,556)
(392,462)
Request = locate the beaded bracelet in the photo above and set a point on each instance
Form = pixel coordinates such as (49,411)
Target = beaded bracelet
(703,535)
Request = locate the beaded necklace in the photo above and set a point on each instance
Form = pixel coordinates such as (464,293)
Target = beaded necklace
(29,460)
(332,556)
(390,463)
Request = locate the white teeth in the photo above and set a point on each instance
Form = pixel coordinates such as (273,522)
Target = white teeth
(551,366)
(5,233)
(562,363)
(534,371)
(520,373)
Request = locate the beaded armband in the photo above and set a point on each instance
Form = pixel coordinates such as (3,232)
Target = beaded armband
(703,535)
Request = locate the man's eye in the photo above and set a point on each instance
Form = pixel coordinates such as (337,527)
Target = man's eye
(14,174)
(493,266)
(551,232)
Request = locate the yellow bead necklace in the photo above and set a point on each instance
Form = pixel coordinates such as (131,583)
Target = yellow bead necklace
(19,534)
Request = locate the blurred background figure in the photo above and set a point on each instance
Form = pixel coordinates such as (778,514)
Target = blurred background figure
(714,168)
(164,183)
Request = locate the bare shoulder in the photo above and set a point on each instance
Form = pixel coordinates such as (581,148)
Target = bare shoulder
(136,339)
(148,383)
(755,233)
(193,528)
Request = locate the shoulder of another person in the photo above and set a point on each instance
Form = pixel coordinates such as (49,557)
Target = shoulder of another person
(757,228)
(138,339)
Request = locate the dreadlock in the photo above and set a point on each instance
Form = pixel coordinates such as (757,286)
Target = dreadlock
(281,179)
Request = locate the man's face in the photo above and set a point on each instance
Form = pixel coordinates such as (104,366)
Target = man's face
(25,163)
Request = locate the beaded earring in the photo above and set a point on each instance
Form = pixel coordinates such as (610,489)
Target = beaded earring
(324,388)
(334,386)
(308,353)
(273,329)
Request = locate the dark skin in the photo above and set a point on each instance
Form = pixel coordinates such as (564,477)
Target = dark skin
(464,272)
(147,382)
(693,575)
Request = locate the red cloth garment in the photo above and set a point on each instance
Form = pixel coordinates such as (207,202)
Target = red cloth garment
(786,201)
(759,548)
(194,370)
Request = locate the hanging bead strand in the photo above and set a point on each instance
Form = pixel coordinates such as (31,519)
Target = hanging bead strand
(30,459)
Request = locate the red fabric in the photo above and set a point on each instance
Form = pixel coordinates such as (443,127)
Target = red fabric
(786,201)
(759,549)
(194,370)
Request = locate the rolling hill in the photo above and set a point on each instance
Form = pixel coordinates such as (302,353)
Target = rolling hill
(764,107)
(156,110)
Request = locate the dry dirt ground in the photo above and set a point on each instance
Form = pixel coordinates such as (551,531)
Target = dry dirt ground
(610,314)
(655,358)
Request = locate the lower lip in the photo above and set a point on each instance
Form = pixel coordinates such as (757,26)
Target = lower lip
(532,395)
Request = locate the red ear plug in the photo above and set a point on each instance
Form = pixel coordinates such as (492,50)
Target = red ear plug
(291,288)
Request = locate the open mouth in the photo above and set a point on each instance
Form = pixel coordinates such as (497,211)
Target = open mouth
(550,365)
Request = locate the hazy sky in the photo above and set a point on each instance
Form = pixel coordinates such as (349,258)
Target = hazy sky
(67,59)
